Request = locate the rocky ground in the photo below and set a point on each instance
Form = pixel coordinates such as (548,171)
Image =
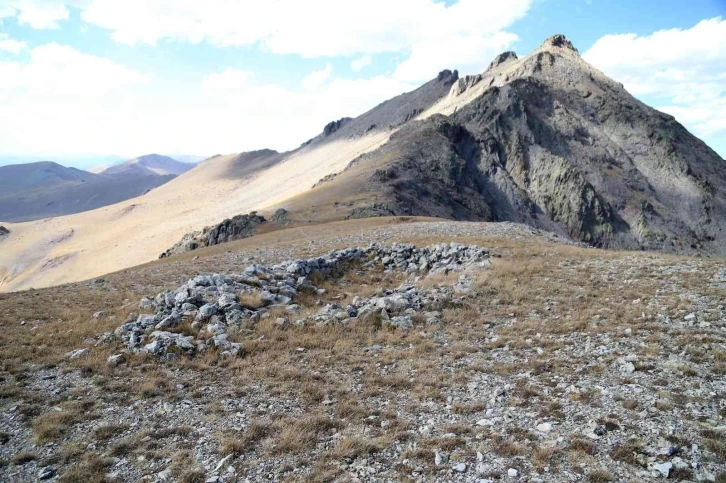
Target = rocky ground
(526,359)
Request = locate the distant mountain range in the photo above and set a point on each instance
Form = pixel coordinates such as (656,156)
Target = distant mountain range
(150,164)
(43,189)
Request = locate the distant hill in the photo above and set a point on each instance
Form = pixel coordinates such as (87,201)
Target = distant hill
(44,189)
(150,164)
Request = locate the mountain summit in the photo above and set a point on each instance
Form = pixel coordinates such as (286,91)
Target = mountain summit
(550,141)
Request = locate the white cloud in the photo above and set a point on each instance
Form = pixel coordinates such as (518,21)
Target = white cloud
(227,80)
(270,115)
(40,14)
(683,69)
(424,30)
(468,54)
(361,62)
(11,46)
(317,78)
(62,100)
(56,71)
(80,103)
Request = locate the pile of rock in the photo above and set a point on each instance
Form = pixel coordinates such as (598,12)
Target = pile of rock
(216,305)
(396,308)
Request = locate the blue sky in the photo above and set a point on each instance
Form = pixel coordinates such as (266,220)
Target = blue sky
(81,80)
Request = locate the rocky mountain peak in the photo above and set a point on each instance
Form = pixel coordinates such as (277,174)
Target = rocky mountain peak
(502,58)
(333,126)
(448,76)
(558,41)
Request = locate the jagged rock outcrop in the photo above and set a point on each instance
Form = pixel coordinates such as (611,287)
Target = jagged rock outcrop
(236,228)
(559,41)
(280,217)
(333,126)
(502,58)
(4,231)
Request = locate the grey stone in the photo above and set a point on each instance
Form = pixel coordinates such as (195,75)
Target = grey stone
(77,353)
(115,360)
(46,473)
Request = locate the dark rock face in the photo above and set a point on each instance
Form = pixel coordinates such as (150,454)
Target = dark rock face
(559,40)
(240,226)
(501,59)
(280,217)
(333,126)
(447,77)
(236,228)
(4,231)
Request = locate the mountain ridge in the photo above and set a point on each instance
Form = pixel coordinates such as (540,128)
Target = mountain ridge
(545,139)
(549,141)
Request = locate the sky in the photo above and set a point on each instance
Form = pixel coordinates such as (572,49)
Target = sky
(83,81)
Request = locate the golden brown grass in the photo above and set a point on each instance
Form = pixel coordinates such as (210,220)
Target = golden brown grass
(91,467)
(251,300)
(108,431)
(23,457)
(238,443)
(599,476)
(301,434)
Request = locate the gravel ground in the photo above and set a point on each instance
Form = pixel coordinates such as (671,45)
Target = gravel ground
(562,364)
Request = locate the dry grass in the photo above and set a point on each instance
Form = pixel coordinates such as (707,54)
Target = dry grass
(54,424)
(599,476)
(543,457)
(251,300)
(583,445)
(91,468)
(23,457)
(352,448)
(108,431)
(154,386)
(252,435)
(626,453)
(301,434)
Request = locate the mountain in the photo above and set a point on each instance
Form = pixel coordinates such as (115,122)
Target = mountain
(149,165)
(549,141)
(546,140)
(43,189)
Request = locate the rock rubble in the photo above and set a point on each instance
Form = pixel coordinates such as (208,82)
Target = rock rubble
(216,305)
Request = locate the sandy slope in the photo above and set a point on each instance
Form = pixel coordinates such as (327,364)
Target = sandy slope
(86,245)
